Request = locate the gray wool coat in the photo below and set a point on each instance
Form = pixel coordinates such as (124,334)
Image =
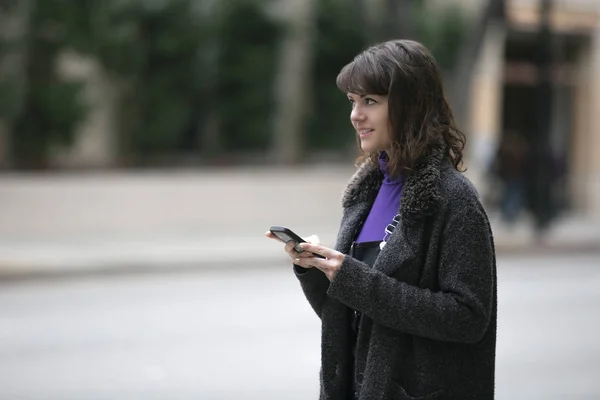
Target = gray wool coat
(428,304)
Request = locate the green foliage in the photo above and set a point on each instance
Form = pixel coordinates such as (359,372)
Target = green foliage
(110,30)
(174,66)
(339,39)
(154,50)
(169,77)
(52,106)
(247,39)
(443,31)
(62,106)
(10,91)
(53,112)
(341,36)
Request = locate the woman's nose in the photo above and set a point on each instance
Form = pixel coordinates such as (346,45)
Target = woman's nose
(357,114)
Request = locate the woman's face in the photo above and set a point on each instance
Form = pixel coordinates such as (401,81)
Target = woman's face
(369,117)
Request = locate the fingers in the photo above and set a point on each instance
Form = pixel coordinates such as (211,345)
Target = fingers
(270,235)
(325,259)
(313,261)
(316,249)
(290,249)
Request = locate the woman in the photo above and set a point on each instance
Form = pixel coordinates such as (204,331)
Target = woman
(407,299)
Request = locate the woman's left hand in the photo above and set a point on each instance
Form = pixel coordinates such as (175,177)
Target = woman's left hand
(330,265)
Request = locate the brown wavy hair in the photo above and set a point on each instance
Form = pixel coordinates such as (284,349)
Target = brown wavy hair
(420,117)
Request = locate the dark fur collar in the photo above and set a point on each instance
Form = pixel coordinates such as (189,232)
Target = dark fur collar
(420,195)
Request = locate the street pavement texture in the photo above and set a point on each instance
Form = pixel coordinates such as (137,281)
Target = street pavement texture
(104,222)
(250,334)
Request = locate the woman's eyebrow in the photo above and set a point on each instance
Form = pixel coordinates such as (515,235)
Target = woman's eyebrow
(362,96)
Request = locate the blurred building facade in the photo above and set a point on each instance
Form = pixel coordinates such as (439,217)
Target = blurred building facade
(503,93)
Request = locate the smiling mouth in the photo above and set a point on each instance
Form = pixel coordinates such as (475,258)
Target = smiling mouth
(364,132)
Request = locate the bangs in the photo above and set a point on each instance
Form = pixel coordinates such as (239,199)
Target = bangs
(364,76)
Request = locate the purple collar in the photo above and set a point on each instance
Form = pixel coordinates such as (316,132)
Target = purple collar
(383,166)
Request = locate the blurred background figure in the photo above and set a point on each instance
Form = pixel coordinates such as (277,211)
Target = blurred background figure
(511,168)
(139,137)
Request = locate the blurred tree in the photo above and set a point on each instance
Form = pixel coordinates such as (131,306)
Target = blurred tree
(246,60)
(339,37)
(46,111)
(398,23)
(294,81)
(190,80)
(204,127)
(443,29)
(343,31)
(152,51)
(14,26)
(169,79)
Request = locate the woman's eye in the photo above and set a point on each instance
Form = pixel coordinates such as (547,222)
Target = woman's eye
(369,101)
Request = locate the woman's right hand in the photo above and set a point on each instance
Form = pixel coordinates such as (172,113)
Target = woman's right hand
(289,247)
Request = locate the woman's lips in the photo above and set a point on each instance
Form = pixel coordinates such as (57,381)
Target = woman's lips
(365,132)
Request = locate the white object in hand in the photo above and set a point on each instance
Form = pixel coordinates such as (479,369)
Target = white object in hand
(314,239)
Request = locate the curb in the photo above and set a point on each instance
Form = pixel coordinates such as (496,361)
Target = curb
(11,272)
(509,250)
(39,273)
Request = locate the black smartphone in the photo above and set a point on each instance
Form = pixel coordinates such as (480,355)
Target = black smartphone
(287,235)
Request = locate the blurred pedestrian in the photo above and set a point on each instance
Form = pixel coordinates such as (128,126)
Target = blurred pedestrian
(511,164)
(407,299)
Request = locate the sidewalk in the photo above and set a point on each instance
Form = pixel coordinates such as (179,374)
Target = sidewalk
(56,225)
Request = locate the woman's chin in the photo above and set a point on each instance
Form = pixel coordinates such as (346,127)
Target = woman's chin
(367,147)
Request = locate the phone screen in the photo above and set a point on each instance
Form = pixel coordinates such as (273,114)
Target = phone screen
(287,235)
(286,238)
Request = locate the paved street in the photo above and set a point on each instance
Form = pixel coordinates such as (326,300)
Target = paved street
(248,333)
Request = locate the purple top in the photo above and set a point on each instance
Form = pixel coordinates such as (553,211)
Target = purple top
(384,208)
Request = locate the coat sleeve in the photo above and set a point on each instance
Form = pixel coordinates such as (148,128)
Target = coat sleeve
(314,284)
(459,312)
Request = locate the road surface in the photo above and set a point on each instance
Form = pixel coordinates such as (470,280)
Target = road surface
(248,333)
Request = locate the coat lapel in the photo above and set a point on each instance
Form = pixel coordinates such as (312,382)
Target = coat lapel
(357,200)
(400,256)
(420,198)
(420,195)
(421,192)
(351,223)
